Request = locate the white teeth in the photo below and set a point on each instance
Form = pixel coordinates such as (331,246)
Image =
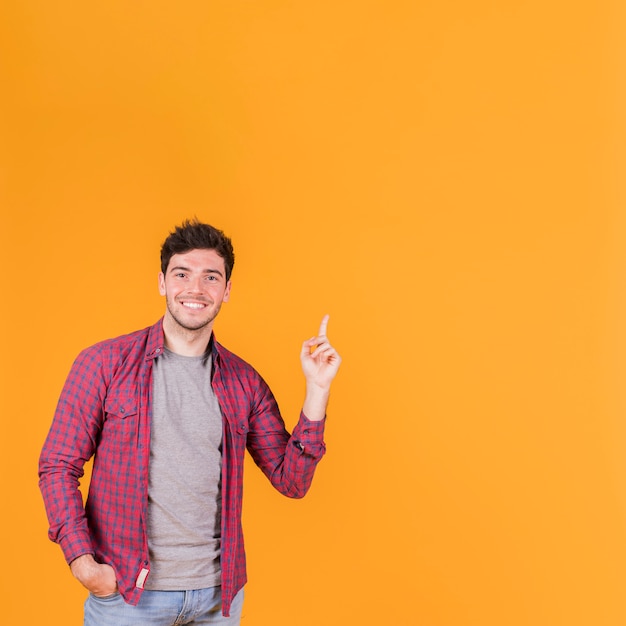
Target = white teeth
(194,305)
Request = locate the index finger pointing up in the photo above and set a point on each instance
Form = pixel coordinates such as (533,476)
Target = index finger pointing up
(324,326)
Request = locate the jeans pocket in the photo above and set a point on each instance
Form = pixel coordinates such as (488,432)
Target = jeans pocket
(110,598)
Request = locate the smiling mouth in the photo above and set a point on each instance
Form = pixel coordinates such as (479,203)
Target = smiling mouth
(194,305)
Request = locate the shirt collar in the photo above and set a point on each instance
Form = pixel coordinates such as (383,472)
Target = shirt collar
(214,350)
(156,343)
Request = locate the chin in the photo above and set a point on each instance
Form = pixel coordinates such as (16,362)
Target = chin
(196,325)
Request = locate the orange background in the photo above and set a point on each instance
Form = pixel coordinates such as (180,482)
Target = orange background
(444,177)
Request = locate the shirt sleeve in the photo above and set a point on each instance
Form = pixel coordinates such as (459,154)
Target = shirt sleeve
(289,461)
(70,443)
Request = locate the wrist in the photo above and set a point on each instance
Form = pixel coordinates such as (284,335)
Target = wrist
(84,568)
(82,561)
(315,402)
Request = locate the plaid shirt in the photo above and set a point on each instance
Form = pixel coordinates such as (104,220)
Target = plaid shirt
(105,409)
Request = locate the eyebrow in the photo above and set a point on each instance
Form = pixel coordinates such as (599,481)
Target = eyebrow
(187,269)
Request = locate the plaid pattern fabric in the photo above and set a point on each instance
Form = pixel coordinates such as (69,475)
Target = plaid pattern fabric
(104,411)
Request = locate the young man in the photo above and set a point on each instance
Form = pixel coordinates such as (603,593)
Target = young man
(167,413)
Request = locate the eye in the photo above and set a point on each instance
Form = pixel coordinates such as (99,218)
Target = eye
(211,278)
(180,275)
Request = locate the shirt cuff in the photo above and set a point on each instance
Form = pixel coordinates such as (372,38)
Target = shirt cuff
(308,436)
(75,545)
(315,429)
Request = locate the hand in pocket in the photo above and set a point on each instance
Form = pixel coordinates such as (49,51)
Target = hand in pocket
(98,578)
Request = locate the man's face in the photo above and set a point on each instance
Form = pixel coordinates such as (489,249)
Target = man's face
(194,286)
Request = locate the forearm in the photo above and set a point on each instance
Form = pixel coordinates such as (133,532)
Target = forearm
(315,402)
(289,461)
(64,507)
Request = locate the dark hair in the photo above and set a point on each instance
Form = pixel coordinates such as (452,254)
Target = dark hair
(194,235)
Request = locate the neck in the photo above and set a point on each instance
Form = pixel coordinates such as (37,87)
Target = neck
(184,341)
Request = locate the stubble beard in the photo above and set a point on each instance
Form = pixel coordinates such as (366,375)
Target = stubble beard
(185,325)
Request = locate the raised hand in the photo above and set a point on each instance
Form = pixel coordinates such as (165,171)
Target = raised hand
(320,361)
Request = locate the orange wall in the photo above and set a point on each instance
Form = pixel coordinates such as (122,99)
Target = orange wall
(446,179)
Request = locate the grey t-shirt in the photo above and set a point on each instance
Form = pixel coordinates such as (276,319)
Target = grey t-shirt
(184,489)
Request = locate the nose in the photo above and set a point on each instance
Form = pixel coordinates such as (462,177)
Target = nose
(196,285)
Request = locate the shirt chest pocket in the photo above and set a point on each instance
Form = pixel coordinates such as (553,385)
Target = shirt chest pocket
(120,421)
(120,407)
(120,430)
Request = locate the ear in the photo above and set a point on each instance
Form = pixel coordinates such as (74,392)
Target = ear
(161,283)
(227,291)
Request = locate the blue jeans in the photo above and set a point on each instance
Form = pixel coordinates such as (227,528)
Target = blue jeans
(164,608)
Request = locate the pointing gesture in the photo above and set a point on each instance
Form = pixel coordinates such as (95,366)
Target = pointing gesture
(323,326)
(320,361)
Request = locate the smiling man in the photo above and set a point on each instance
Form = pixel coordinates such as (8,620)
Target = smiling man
(194,285)
(167,414)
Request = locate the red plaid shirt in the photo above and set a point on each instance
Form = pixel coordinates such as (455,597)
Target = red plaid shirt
(105,409)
